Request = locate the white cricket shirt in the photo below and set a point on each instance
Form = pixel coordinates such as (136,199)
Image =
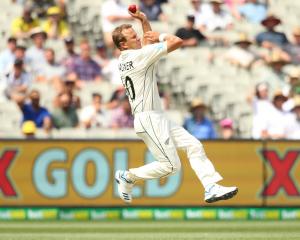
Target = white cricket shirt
(138,74)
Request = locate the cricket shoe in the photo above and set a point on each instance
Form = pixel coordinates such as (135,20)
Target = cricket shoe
(124,186)
(217,192)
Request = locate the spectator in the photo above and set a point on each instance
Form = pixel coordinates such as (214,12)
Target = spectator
(294,123)
(111,70)
(240,54)
(20,52)
(29,129)
(262,106)
(276,123)
(199,11)
(164,96)
(84,66)
(275,76)
(271,38)
(227,131)
(253,11)
(292,87)
(34,112)
(117,95)
(190,35)
(51,71)
(35,55)
(17,80)
(65,115)
(233,5)
(94,115)
(121,117)
(39,7)
(199,125)
(71,55)
(7,56)
(63,8)
(22,26)
(55,26)
(113,12)
(101,56)
(293,48)
(217,18)
(152,10)
(70,86)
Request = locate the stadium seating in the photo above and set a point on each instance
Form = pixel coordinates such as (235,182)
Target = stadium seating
(188,73)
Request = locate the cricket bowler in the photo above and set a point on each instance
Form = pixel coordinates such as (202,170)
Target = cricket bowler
(137,65)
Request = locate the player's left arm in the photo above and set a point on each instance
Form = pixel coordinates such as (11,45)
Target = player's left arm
(173,42)
(145,24)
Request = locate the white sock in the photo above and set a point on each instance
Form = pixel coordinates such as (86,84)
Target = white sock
(129,176)
(208,186)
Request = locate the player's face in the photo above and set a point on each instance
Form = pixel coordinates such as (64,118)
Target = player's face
(132,39)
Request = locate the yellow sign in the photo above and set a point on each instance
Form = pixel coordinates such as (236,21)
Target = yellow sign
(81,173)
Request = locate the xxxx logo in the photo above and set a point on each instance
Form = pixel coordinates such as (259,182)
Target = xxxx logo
(282,173)
(6,186)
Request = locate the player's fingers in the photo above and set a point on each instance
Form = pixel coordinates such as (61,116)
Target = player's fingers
(147,34)
(148,39)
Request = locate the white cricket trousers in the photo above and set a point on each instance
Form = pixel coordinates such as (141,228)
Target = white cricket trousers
(162,138)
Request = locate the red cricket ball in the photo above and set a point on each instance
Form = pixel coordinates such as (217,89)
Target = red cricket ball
(132,8)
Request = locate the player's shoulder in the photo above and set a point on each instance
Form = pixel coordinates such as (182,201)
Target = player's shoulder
(131,55)
(159,45)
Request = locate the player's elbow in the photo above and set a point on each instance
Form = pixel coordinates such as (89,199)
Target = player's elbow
(174,44)
(177,42)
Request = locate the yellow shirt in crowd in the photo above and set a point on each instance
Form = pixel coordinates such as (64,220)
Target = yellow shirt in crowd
(20,26)
(63,29)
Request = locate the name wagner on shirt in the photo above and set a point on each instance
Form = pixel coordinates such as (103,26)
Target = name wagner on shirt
(126,66)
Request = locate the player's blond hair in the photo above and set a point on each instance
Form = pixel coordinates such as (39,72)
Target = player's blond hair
(118,36)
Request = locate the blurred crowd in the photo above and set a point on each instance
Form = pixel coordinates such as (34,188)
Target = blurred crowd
(29,59)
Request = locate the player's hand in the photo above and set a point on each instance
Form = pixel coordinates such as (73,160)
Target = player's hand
(138,15)
(152,37)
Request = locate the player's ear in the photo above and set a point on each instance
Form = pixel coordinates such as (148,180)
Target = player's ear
(123,45)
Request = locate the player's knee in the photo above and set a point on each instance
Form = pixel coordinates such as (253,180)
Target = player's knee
(195,150)
(171,168)
(176,166)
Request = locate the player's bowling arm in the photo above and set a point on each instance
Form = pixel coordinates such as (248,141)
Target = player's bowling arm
(173,42)
(146,28)
(145,24)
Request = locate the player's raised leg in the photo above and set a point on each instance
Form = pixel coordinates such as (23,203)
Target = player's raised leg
(202,166)
(153,129)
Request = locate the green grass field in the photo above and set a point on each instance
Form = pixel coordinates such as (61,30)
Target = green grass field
(146,230)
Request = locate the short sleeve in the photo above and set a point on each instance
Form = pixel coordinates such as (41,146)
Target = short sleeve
(16,26)
(64,29)
(179,33)
(213,134)
(86,114)
(258,38)
(25,109)
(45,113)
(153,52)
